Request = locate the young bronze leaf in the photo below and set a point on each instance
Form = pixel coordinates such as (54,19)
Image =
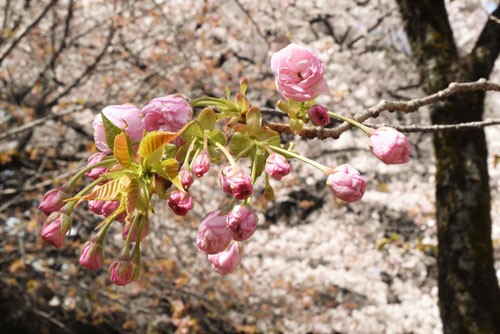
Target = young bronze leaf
(108,191)
(123,149)
(132,193)
(154,141)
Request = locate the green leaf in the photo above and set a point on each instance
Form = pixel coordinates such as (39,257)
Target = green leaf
(253,120)
(193,130)
(228,93)
(217,136)
(110,130)
(265,133)
(207,119)
(171,168)
(239,142)
(296,125)
(274,141)
(171,150)
(122,150)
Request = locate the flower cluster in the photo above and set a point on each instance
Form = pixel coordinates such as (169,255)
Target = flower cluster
(160,150)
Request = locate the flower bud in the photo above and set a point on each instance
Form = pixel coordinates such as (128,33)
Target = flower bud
(390,146)
(180,203)
(122,271)
(133,237)
(109,208)
(346,183)
(92,255)
(213,234)
(96,206)
(277,166)
(53,200)
(225,177)
(186,178)
(241,222)
(241,185)
(228,260)
(319,115)
(98,171)
(53,229)
(201,163)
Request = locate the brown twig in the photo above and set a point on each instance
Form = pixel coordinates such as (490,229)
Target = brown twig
(404,106)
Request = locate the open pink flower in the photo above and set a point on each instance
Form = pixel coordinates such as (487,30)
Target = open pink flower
(168,113)
(118,115)
(241,222)
(52,201)
(390,146)
(213,234)
(347,183)
(228,260)
(319,115)
(277,166)
(92,255)
(299,73)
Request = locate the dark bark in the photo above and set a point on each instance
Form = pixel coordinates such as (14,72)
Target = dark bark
(469,295)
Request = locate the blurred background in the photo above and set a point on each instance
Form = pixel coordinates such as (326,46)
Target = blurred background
(315,264)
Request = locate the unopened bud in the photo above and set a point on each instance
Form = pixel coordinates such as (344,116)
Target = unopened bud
(390,146)
(186,177)
(95,173)
(241,222)
(277,166)
(53,200)
(180,202)
(319,115)
(52,231)
(213,234)
(201,163)
(228,260)
(347,183)
(92,255)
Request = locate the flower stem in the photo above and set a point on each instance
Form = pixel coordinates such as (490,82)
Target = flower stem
(130,231)
(77,176)
(227,154)
(313,163)
(71,206)
(188,154)
(353,122)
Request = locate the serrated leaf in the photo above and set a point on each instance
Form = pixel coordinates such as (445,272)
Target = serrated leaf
(296,125)
(122,149)
(117,175)
(154,141)
(217,136)
(207,119)
(106,192)
(110,131)
(253,120)
(132,194)
(239,142)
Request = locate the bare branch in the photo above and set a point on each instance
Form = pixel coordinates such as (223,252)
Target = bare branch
(19,36)
(441,127)
(404,106)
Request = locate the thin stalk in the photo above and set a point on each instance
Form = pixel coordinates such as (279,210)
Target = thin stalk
(77,176)
(364,128)
(313,163)
(228,155)
(188,155)
(71,206)
(130,231)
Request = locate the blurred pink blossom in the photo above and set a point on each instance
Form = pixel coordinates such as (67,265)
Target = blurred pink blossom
(228,260)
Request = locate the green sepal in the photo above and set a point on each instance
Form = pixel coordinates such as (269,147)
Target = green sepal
(296,125)
(216,136)
(253,120)
(207,119)
(268,191)
(193,130)
(110,131)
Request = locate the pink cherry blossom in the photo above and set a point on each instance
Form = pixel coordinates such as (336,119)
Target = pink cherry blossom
(228,260)
(241,185)
(53,200)
(118,115)
(319,115)
(390,146)
(92,255)
(186,177)
(347,183)
(180,203)
(51,230)
(168,113)
(225,178)
(213,234)
(202,163)
(241,222)
(277,166)
(299,73)
(120,272)
(95,173)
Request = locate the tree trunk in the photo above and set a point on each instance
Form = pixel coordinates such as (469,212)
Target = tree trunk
(469,295)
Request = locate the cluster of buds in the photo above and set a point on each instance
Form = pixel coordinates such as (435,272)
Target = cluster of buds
(160,150)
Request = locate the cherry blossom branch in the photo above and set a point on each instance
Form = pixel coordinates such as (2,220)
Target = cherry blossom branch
(404,106)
